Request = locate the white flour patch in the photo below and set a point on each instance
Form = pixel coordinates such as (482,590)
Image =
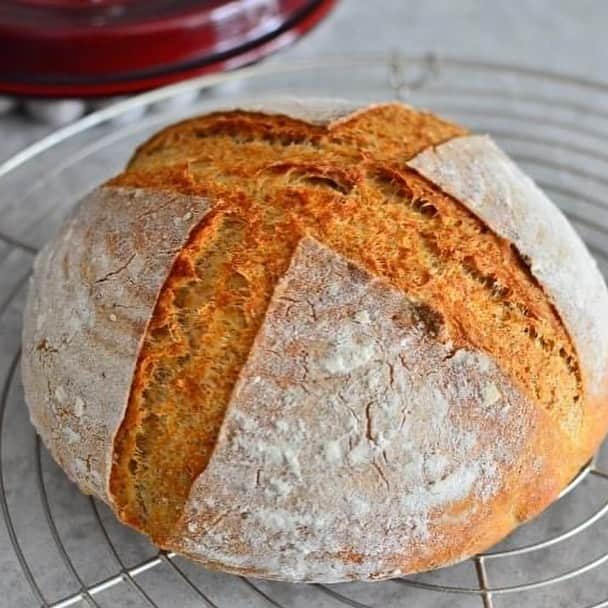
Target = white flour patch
(367,432)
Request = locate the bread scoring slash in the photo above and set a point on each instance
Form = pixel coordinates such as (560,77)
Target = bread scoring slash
(313,342)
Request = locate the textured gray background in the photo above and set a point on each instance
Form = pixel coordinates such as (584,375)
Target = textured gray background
(560,35)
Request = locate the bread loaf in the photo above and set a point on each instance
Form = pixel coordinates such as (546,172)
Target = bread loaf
(311,342)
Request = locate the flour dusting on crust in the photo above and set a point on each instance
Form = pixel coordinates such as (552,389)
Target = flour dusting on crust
(353,438)
(315,110)
(92,293)
(476,172)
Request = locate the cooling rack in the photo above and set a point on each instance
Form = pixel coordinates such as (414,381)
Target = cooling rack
(59,548)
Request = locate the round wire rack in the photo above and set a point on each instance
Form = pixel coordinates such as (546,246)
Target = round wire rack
(59,548)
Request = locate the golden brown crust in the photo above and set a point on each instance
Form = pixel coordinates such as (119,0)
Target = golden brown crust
(388,132)
(277,179)
(248,254)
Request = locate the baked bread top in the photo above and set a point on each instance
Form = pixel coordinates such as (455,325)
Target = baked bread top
(313,343)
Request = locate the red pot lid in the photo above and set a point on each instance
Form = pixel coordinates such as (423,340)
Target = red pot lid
(82,48)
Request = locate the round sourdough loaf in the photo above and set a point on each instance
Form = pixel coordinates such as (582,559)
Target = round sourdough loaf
(311,342)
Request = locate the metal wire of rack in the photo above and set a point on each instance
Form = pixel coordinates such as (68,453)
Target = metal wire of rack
(554,125)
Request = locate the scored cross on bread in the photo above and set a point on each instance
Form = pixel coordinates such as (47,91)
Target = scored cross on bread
(316,344)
